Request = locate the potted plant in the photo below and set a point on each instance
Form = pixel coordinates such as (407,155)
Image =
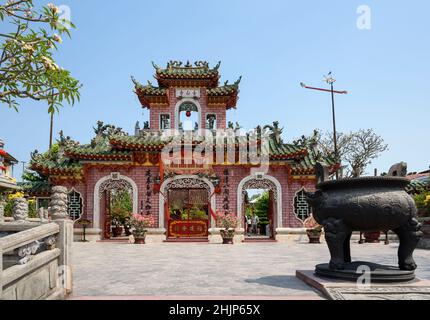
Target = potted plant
(228,225)
(127,227)
(121,208)
(117,228)
(313,230)
(140,225)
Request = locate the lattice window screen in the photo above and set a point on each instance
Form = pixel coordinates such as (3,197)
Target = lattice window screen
(75,205)
(302,210)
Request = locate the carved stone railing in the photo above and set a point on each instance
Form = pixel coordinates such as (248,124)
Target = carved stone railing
(35,260)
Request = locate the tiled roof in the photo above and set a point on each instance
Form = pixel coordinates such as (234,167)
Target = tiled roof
(418,186)
(178,74)
(150,140)
(179,70)
(307,164)
(281,150)
(54,163)
(226,90)
(121,148)
(101,150)
(149,89)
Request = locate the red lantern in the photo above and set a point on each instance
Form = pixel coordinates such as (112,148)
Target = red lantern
(188,113)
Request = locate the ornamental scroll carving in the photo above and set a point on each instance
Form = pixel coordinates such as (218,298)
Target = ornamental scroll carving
(188,183)
(119,184)
(258,184)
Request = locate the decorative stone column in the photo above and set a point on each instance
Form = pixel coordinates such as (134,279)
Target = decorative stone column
(58,204)
(58,210)
(20,210)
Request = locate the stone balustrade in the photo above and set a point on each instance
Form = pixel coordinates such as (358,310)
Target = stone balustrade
(36,255)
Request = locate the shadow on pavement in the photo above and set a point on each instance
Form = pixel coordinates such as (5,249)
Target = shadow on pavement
(287,282)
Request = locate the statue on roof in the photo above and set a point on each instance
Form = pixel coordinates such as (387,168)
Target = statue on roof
(218,65)
(35,155)
(310,142)
(174,64)
(201,64)
(156,67)
(66,141)
(230,125)
(108,130)
(275,132)
(146,125)
(137,129)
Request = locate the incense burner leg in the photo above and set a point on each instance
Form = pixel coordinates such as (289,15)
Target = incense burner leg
(347,247)
(409,235)
(337,234)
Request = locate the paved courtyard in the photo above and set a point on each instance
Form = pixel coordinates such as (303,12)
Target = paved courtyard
(263,270)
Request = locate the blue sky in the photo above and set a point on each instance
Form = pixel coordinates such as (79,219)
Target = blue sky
(273,44)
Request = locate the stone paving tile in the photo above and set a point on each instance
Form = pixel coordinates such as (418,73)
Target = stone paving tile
(263,270)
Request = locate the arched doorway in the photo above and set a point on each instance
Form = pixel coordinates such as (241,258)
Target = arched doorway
(185,207)
(105,192)
(270,189)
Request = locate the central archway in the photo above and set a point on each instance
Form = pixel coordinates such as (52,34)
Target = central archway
(185,181)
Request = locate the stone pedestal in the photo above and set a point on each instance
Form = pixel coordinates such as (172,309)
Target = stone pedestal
(345,290)
(58,211)
(64,243)
(216,238)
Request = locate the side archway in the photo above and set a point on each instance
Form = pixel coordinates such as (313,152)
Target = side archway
(112,180)
(260,182)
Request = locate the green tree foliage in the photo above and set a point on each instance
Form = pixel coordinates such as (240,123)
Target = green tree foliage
(32,212)
(422,201)
(27,67)
(121,206)
(260,207)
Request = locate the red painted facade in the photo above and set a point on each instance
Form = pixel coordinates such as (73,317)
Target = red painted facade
(210,99)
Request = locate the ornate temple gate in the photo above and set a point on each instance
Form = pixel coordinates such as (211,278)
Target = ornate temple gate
(264,184)
(105,196)
(188,209)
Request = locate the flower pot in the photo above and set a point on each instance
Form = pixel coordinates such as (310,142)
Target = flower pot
(314,237)
(372,237)
(127,231)
(227,236)
(117,231)
(139,238)
(426,230)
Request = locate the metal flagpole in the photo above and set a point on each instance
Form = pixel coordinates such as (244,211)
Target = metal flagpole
(330,80)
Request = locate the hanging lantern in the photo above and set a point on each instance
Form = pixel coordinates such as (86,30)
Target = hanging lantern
(188,113)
